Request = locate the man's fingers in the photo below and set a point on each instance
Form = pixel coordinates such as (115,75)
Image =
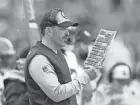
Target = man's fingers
(99,67)
(93,72)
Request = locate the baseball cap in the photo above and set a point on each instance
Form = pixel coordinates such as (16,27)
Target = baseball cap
(56,17)
(6,47)
(121,72)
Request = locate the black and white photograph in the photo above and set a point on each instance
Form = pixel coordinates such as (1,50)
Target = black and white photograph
(69,52)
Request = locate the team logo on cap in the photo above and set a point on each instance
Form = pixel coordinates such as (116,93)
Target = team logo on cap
(64,15)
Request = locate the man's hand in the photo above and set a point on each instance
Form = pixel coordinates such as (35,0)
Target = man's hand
(92,72)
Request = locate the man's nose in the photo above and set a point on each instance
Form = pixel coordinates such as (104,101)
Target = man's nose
(67,33)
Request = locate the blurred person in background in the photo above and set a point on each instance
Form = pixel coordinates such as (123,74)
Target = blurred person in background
(14,87)
(124,90)
(112,93)
(7,52)
(15,90)
(120,76)
(21,59)
(83,43)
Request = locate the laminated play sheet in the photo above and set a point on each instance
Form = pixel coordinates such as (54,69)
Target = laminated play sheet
(99,49)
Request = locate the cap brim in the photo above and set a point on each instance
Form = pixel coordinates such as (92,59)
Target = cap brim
(68,24)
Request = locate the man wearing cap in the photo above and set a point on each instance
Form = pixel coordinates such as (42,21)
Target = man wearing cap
(119,77)
(47,74)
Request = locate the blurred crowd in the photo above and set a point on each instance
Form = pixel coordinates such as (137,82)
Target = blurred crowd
(119,83)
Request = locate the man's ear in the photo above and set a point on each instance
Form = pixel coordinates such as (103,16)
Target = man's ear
(48,30)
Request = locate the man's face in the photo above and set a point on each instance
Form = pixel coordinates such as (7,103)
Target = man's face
(60,36)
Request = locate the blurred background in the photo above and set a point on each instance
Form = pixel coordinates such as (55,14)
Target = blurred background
(122,16)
